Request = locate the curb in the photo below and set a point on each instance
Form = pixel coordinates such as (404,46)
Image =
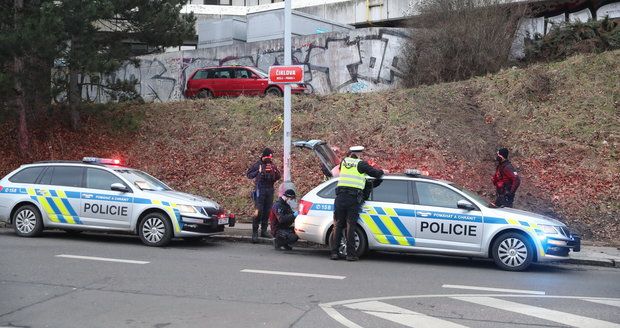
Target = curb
(602,263)
(262,240)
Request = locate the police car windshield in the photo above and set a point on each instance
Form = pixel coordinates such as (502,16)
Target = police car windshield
(142,180)
(473,195)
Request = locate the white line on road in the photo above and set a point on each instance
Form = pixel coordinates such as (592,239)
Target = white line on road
(402,316)
(490,289)
(606,302)
(297,274)
(92,258)
(564,318)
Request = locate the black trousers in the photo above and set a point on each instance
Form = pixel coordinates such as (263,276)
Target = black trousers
(346,214)
(285,237)
(504,199)
(264,201)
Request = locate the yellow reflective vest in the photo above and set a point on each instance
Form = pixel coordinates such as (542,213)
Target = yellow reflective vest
(350,176)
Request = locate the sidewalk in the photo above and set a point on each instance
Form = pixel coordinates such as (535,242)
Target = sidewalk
(589,255)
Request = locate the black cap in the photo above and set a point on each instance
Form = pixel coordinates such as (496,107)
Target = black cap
(290,193)
(267,152)
(503,152)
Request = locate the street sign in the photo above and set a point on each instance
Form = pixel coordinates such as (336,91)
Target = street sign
(286,74)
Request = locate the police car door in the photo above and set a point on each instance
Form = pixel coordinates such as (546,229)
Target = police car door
(102,206)
(389,215)
(58,193)
(441,224)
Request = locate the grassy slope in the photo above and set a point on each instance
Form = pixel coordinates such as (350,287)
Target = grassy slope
(561,121)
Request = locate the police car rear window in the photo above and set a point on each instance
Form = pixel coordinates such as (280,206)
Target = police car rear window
(329,191)
(27,175)
(391,191)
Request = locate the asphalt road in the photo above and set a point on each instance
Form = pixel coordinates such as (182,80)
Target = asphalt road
(54,281)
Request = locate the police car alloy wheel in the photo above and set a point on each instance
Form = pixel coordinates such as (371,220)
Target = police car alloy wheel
(512,251)
(155,230)
(27,221)
(361,244)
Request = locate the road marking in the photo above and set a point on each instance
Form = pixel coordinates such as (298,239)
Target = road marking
(331,308)
(606,302)
(296,274)
(402,316)
(564,318)
(490,289)
(92,258)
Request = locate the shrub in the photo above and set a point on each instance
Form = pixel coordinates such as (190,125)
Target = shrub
(572,38)
(457,39)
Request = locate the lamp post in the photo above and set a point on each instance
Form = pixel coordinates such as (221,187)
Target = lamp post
(288,184)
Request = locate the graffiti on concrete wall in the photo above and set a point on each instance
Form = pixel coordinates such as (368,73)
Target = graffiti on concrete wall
(360,61)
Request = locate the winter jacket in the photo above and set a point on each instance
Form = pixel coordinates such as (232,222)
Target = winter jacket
(265,174)
(281,216)
(506,179)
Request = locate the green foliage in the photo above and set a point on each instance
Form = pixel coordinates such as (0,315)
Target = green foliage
(123,90)
(568,39)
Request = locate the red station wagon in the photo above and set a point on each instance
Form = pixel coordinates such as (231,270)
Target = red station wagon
(232,81)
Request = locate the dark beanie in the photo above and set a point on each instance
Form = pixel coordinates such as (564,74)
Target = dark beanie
(503,152)
(267,152)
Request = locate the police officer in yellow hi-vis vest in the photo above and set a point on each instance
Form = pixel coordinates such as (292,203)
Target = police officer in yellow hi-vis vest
(349,198)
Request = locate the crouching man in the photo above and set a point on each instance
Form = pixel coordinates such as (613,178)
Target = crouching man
(281,219)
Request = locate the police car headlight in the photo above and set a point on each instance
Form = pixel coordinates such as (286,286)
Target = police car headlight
(548,229)
(187,209)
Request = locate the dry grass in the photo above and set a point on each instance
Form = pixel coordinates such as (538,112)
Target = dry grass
(561,122)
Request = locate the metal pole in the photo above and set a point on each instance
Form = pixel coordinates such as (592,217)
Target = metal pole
(288,184)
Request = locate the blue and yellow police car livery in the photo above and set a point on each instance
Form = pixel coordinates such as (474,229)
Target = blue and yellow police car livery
(101,195)
(414,213)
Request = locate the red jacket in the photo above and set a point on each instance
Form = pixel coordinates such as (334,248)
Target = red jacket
(506,178)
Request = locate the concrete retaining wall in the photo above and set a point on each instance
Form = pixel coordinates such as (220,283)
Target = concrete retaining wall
(361,60)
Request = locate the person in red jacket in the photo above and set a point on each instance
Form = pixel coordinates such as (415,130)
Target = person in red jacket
(506,180)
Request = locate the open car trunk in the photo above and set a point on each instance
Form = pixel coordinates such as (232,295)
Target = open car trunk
(326,155)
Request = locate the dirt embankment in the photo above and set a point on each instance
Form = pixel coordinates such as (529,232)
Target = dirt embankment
(560,121)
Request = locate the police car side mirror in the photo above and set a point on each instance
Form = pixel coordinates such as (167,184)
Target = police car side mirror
(465,205)
(119,187)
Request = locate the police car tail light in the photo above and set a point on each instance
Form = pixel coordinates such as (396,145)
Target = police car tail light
(304,207)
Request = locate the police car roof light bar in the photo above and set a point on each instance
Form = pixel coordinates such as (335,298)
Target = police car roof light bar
(97,160)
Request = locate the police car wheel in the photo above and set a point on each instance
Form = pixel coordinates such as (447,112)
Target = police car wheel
(27,221)
(361,243)
(513,252)
(155,230)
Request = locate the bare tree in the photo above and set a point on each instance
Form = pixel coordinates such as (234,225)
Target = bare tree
(20,99)
(458,39)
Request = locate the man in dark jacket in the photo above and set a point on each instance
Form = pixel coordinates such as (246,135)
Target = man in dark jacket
(506,180)
(265,173)
(349,199)
(281,219)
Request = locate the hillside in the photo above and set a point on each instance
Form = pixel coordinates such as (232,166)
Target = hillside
(561,122)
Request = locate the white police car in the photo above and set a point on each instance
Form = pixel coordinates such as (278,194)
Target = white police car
(415,213)
(101,195)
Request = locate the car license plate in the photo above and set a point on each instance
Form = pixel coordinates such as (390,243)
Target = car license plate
(222,221)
